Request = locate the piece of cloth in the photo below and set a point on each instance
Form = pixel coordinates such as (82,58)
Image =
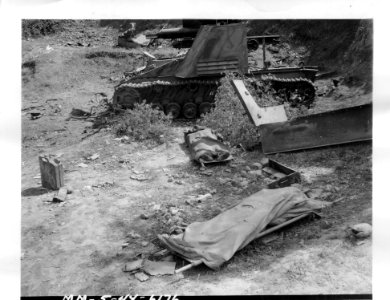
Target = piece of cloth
(215,241)
(205,146)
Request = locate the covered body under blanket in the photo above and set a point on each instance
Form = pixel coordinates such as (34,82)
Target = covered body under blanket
(215,241)
(205,146)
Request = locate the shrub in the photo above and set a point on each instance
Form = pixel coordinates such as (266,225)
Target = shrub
(144,123)
(229,118)
(36,28)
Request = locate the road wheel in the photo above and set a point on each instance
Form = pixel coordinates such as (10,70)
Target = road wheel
(189,110)
(205,107)
(173,109)
(127,98)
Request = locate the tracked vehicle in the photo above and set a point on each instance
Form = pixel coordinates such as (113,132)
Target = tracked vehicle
(186,86)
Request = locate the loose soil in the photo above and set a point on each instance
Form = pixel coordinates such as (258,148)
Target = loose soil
(81,245)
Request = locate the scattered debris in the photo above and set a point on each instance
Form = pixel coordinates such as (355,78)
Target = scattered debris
(141,276)
(284,176)
(134,235)
(154,268)
(144,216)
(204,197)
(360,231)
(269,238)
(93,157)
(61,195)
(35,115)
(52,172)
(156,207)
(104,185)
(133,266)
(207,172)
(140,177)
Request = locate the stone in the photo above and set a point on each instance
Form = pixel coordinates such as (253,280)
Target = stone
(362,230)
(257,166)
(247,168)
(144,243)
(264,161)
(61,195)
(141,276)
(82,165)
(144,216)
(93,157)
(134,235)
(257,173)
(204,197)
(173,210)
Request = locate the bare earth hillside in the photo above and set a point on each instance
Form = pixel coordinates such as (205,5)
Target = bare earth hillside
(81,245)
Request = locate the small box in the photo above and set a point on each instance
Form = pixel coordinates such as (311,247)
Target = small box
(284,176)
(52,172)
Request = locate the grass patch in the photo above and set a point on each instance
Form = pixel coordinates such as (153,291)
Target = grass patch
(144,123)
(229,117)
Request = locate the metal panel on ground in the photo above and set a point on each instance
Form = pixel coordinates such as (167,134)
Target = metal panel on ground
(258,115)
(341,126)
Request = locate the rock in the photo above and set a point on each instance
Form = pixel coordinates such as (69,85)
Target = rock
(362,230)
(264,161)
(88,188)
(247,168)
(257,173)
(179,182)
(93,157)
(61,195)
(156,207)
(315,193)
(125,245)
(257,166)
(325,224)
(223,180)
(141,276)
(134,235)
(170,179)
(144,216)
(207,172)
(173,210)
(144,243)
(82,165)
(204,197)
(243,173)
(228,170)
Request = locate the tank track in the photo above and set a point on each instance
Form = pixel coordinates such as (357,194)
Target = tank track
(180,97)
(297,91)
(190,98)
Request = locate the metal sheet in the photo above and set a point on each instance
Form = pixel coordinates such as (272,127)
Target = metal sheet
(258,115)
(341,126)
(216,44)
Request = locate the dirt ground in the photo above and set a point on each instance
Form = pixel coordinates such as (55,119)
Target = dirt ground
(81,245)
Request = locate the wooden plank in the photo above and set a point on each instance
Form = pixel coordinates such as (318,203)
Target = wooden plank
(258,115)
